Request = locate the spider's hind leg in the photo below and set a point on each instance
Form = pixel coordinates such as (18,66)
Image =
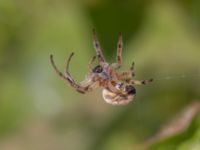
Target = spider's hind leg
(128,75)
(132,71)
(140,82)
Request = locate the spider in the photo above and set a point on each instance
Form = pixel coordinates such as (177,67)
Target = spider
(118,88)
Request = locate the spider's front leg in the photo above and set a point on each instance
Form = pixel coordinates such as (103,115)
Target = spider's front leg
(67,77)
(118,63)
(98,49)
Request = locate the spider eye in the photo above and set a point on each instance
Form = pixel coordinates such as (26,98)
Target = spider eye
(130,89)
(97,69)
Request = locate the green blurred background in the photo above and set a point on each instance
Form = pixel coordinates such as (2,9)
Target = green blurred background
(39,112)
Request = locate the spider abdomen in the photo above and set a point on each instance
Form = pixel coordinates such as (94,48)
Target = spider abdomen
(117,98)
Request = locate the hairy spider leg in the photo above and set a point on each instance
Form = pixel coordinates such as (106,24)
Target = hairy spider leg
(119,50)
(98,49)
(140,82)
(89,83)
(118,63)
(127,75)
(68,77)
(132,69)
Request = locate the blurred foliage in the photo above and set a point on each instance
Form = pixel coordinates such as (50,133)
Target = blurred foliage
(183,141)
(38,111)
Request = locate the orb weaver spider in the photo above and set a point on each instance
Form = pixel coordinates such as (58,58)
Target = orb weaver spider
(118,88)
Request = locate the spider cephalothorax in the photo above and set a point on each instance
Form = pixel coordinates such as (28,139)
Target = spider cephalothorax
(118,88)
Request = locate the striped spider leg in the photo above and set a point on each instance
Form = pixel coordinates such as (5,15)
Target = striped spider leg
(128,75)
(84,86)
(118,63)
(98,50)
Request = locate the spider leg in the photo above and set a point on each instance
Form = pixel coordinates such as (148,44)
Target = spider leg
(67,66)
(119,51)
(118,63)
(140,82)
(68,77)
(98,48)
(132,69)
(127,74)
(87,84)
